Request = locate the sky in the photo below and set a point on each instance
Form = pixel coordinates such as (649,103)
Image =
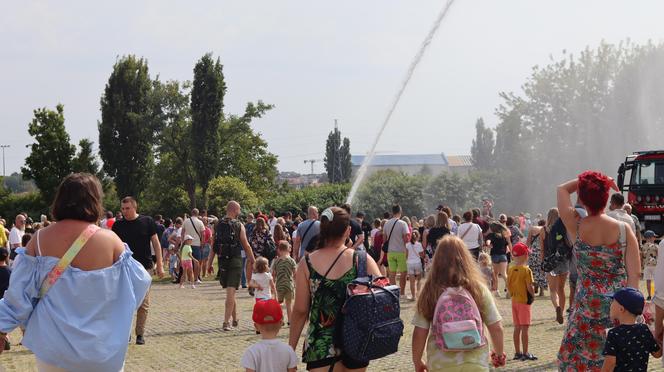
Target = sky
(315,61)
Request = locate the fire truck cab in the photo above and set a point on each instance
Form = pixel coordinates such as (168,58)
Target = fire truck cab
(641,176)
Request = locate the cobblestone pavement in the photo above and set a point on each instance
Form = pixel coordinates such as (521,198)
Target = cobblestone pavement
(184,334)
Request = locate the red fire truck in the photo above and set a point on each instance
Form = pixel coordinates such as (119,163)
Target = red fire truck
(641,176)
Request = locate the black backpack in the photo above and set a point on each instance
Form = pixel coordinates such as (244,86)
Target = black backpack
(226,239)
(557,247)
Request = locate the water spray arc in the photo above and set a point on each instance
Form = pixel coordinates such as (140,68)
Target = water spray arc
(361,173)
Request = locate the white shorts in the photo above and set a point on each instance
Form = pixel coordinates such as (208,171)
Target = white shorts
(414,268)
(649,273)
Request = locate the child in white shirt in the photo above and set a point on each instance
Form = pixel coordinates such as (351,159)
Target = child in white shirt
(415,253)
(262,281)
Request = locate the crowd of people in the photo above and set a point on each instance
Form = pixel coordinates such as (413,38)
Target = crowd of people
(298,268)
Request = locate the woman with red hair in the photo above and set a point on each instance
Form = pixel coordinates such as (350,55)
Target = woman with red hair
(607,256)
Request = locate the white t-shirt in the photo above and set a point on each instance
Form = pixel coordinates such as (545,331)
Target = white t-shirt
(262,279)
(472,233)
(272,222)
(197,233)
(15,236)
(395,243)
(269,356)
(414,251)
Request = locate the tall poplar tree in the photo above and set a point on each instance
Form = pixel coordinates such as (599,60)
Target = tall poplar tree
(128,127)
(207,104)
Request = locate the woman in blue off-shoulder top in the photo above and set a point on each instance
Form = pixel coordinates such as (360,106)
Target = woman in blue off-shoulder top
(82,322)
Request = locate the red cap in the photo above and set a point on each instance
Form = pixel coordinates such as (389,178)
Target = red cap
(267,312)
(520,249)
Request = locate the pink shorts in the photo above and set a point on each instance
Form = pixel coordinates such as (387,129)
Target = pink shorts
(187,264)
(521,314)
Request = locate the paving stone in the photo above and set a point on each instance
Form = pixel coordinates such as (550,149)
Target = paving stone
(184,333)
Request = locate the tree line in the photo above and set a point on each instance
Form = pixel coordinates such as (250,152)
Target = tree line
(576,113)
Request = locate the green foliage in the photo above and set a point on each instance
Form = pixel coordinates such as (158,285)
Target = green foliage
(297,201)
(386,188)
(175,168)
(459,192)
(224,189)
(129,124)
(244,153)
(32,203)
(337,158)
(85,160)
(577,113)
(207,104)
(50,158)
(481,149)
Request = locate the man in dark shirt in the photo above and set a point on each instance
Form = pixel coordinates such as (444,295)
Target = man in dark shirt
(139,232)
(480,221)
(366,229)
(356,234)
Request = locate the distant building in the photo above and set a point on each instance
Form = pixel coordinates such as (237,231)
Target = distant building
(415,164)
(299,181)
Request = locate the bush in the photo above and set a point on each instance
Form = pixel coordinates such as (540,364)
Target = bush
(30,203)
(224,189)
(297,201)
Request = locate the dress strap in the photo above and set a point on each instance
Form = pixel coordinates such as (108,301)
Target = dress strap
(38,247)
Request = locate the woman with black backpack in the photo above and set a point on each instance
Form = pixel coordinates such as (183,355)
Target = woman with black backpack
(558,276)
(321,281)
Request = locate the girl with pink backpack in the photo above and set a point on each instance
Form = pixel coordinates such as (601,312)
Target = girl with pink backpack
(455,311)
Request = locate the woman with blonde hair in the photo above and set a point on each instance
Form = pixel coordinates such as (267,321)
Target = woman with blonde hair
(454,266)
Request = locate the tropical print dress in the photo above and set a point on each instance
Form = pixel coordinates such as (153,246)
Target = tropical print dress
(601,270)
(327,298)
(535,262)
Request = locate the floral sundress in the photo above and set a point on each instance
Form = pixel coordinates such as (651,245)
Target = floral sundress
(535,262)
(327,298)
(601,270)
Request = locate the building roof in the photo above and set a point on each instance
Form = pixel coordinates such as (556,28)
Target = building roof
(401,159)
(460,161)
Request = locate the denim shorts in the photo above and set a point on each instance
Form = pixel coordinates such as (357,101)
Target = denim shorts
(205,252)
(498,258)
(196,251)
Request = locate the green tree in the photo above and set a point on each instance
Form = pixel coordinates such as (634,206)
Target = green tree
(297,201)
(129,123)
(224,189)
(176,152)
(384,188)
(337,157)
(50,158)
(481,150)
(244,153)
(85,160)
(207,104)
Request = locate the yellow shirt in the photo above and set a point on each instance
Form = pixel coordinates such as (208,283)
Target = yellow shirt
(3,237)
(518,278)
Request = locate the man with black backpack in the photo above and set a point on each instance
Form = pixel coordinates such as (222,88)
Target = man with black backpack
(230,238)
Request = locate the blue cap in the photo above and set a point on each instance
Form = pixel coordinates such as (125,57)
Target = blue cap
(649,234)
(629,298)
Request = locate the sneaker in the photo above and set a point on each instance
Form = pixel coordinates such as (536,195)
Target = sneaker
(559,315)
(235,323)
(193,286)
(198,281)
(140,340)
(528,356)
(226,327)
(251,292)
(518,356)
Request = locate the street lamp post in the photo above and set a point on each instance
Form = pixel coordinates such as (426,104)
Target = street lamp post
(3,158)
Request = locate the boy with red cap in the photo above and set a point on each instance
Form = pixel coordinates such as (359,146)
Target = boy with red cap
(270,354)
(520,287)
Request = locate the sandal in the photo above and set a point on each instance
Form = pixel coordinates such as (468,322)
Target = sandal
(235,323)
(227,327)
(528,356)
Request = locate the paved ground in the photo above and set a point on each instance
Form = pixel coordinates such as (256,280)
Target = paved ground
(184,333)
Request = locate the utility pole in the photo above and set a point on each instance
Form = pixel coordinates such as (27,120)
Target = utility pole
(312,161)
(3,158)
